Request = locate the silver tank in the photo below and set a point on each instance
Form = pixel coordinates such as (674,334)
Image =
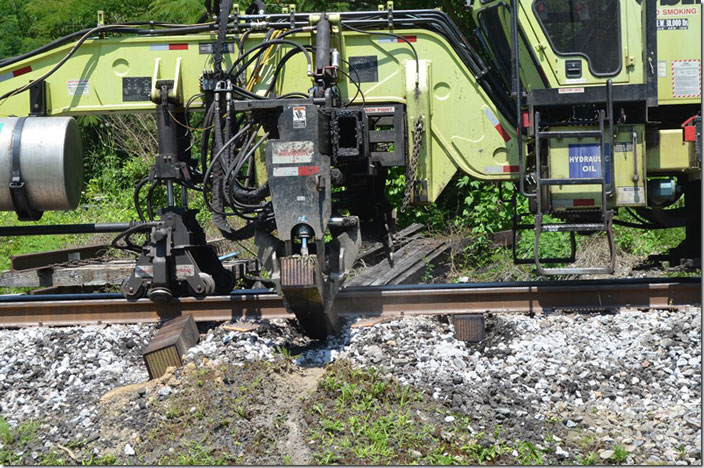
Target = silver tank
(51,162)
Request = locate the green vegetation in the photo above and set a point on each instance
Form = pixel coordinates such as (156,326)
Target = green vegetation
(588,459)
(15,441)
(620,454)
(359,417)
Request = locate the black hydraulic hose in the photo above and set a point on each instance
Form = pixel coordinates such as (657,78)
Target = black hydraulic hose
(239,193)
(137,189)
(107,28)
(215,160)
(263,45)
(223,18)
(638,225)
(464,50)
(397,36)
(205,137)
(86,36)
(10,231)
(150,193)
(128,232)
(249,196)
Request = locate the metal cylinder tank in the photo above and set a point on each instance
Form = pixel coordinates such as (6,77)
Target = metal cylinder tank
(51,161)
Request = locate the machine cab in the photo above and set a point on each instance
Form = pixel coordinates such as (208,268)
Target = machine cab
(569,42)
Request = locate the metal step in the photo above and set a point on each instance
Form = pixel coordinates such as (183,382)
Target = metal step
(571,134)
(585,181)
(573,227)
(577,271)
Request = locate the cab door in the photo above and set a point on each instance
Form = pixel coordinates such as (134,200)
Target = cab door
(587,42)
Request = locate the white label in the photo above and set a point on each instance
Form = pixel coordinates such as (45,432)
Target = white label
(184,271)
(673,24)
(662,68)
(292,152)
(570,90)
(575,80)
(78,87)
(285,171)
(686,82)
(677,11)
(630,195)
(299,117)
(301,198)
(379,110)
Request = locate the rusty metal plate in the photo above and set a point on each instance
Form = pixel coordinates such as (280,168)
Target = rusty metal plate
(469,327)
(171,341)
(298,271)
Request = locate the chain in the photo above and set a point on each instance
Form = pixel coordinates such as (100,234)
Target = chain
(413,163)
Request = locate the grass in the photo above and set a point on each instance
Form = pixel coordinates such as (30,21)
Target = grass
(196,453)
(620,454)
(359,417)
(588,459)
(16,441)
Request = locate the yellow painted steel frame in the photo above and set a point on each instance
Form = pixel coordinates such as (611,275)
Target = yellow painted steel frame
(463,129)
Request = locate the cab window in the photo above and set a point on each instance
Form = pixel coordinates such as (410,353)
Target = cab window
(590,28)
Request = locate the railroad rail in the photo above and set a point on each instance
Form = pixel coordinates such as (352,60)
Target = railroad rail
(433,299)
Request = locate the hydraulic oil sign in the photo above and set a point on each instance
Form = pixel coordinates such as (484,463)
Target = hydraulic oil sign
(585,161)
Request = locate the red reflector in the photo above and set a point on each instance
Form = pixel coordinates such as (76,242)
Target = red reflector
(178,46)
(526,119)
(510,168)
(308,170)
(583,202)
(409,38)
(22,71)
(503,133)
(690,133)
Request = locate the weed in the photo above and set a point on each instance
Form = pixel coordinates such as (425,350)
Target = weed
(529,454)
(52,458)
(174,411)
(332,426)
(326,458)
(681,452)
(286,460)
(5,432)
(318,408)
(197,454)
(588,459)
(108,459)
(285,353)
(620,454)
(481,454)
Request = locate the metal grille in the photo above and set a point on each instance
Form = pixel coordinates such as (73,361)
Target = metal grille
(469,327)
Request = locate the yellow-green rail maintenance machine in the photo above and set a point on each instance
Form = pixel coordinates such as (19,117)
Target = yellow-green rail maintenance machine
(301,115)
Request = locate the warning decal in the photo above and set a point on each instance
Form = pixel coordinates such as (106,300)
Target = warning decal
(292,152)
(299,117)
(78,87)
(296,171)
(662,68)
(686,78)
